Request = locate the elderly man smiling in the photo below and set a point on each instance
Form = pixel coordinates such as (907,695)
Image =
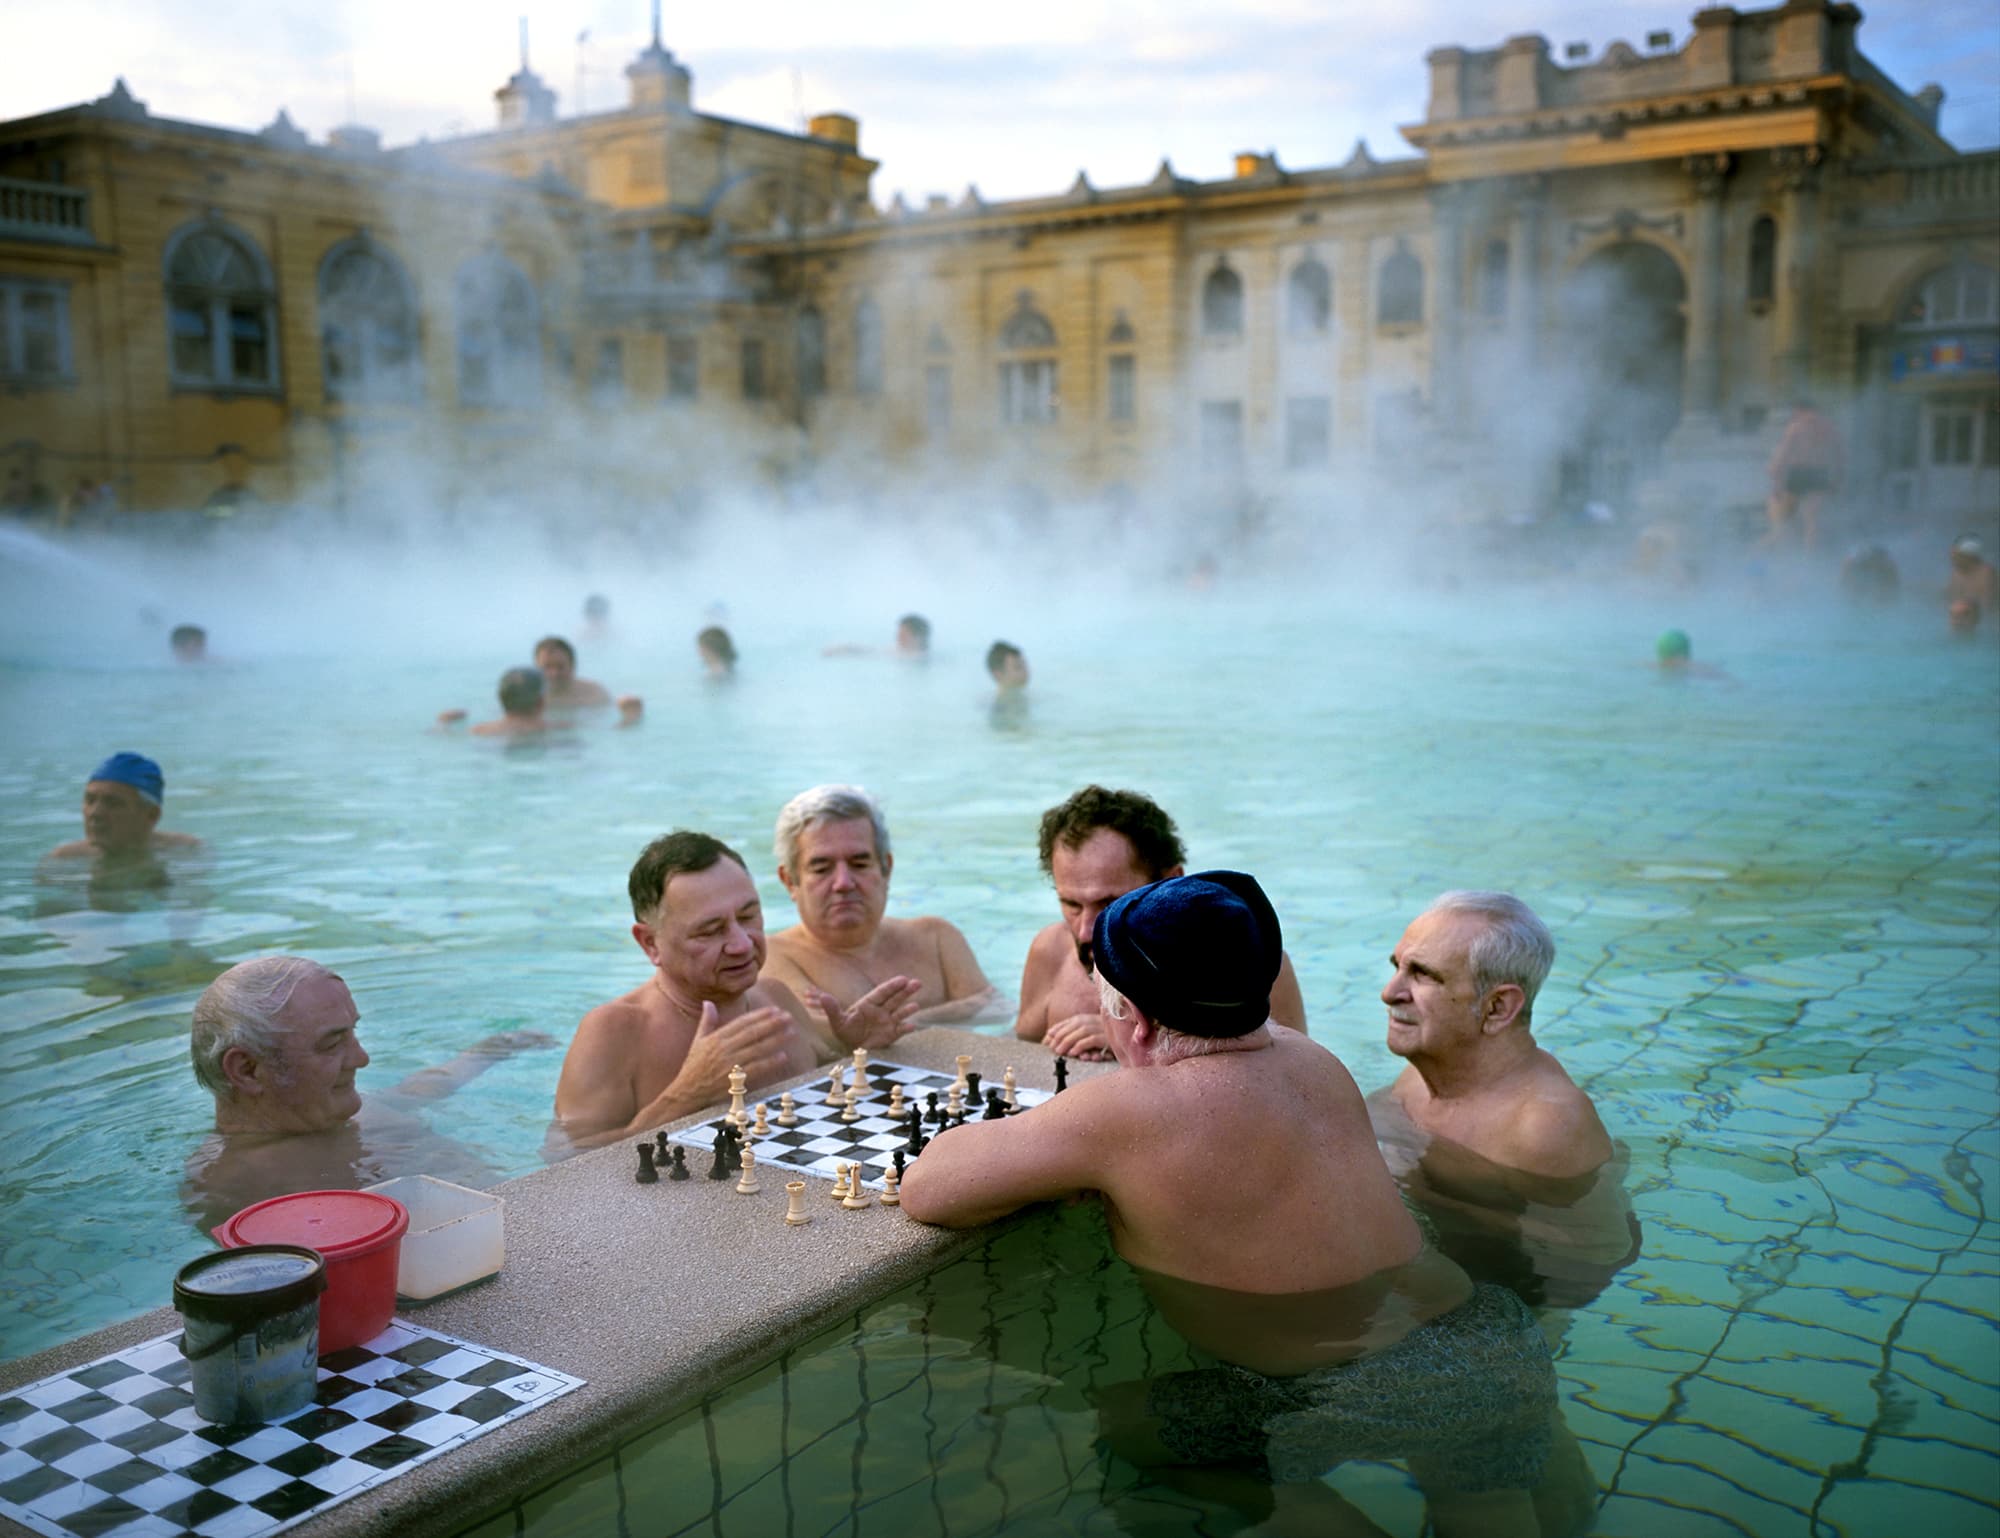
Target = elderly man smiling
(274,1041)
(834,859)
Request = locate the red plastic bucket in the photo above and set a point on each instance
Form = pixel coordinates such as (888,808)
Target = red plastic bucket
(360,1235)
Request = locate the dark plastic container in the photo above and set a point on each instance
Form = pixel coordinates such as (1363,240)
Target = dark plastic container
(250,1330)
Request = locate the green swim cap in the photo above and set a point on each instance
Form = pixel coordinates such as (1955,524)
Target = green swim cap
(1674,646)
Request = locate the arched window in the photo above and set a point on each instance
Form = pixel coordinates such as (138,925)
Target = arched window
(867,348)
(1309,299)
(809,342)
(1493,280)
(1121,371)
(499,334)
(1400,298)
(367,324)
(222,310)
(1960,295)
(1763,285)
(1028,378)
(1222,303)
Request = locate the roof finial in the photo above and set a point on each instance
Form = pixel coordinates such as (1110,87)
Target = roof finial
(656,23)
(524,45)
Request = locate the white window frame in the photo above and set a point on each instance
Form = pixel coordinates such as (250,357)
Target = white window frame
(223,379)
(13,365)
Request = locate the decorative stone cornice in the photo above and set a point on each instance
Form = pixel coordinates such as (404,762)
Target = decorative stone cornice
(1625,223)
(1708,172)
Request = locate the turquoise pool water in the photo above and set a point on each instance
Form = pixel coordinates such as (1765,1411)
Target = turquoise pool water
(1775,898)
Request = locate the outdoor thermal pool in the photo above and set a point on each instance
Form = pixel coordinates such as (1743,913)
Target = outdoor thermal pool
(1775,899)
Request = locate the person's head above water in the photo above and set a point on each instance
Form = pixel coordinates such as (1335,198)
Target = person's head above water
(834,859)
(190,643)
(1097,846)
(913,635)
(697,916)
(557,660)
(521,691)
(597,608)
(718,652)
(1673,648)
(273,1041)
(1467,968)
(1195,955)
(121,803)
(1967,554)
(1008,667)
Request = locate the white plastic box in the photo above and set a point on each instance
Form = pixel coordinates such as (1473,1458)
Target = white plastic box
(454,1236)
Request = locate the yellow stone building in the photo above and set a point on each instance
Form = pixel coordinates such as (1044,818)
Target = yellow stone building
(1597,277)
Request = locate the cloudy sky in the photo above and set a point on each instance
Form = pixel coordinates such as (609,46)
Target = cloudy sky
(1015,97)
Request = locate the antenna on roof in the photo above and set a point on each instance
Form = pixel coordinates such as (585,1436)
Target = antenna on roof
(524,45)
(656,23)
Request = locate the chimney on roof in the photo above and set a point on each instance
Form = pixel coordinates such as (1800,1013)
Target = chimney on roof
(837,127)
(1930,101)
(657,81)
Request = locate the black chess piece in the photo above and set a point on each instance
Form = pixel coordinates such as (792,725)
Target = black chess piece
(995,1107)
(897,1156)
(972,1089)
(1062,1074)
(647,1174)
(719,1170)
(678,1165)
(735,1147)
(932,1115)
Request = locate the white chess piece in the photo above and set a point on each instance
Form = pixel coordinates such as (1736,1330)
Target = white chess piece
(763,1127)
(738,1083)
(896,1101)
(848,1112)
(857,1194)
(840,1186)
(748,1186)
(833,1091)
(787,1116)
(795,1202)
(891,1196)
(954,1104)
(964,1062)
(1013,1098)
(861,1069)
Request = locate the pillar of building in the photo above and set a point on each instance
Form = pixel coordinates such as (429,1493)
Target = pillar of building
(1447,322)
(1797,171)
(1524,269)
(1701,397)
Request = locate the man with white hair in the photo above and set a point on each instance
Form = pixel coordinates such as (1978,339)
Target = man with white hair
(834,859)
(1461,1004)
(274,1042)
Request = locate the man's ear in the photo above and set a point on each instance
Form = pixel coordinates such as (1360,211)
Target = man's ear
(888,865)
(643,935)
(1173,873)
(1502,1008)
(152,814)
(244,1073)
(785,880)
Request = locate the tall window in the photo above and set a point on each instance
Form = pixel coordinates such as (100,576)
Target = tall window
(1222,436)
(34,331)
(867,348)
(1400,299)
(1028,376)
(367,324)
(754,387)
(222,310)
(1763,275)
(810,342)
(937,398)
(684,368)
(1493,280)
(1308,300)
(499,334)
(1308,431)
(1121,371)
(1222,303)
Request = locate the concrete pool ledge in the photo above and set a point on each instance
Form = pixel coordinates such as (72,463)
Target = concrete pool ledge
(656,1295)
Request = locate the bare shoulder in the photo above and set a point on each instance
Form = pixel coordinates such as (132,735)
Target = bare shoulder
(77,849)
(176,841)
(612,1021)
(1050,944)
(1555,1130)
(924,928)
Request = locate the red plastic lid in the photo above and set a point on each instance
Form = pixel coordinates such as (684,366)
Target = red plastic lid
(335,1223)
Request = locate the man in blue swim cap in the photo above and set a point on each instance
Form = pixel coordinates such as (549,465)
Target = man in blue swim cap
(121,815)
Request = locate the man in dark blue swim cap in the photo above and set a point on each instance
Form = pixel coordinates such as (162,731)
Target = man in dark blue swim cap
(121,814)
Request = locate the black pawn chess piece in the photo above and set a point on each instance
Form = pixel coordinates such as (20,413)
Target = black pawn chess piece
(897,1156)
(719,1170)
(1062,1074)
(647,1174)
(995,1107)
(932,1115)
(678,1166)
(972,1089)
(660,1146)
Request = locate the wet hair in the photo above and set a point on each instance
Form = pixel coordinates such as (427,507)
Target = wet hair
(520,691)
(241,1009)
(1512,946)
(596,606)
(185,636)
(998,653)
(559,644)
(825,803)
(679,853)
(1155,841)
(917,626)
(715,640)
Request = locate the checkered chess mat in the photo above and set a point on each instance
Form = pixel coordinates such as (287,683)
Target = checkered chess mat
(821,1140)
(115,1450)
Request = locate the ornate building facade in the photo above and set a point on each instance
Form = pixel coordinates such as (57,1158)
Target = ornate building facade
(1593,276)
